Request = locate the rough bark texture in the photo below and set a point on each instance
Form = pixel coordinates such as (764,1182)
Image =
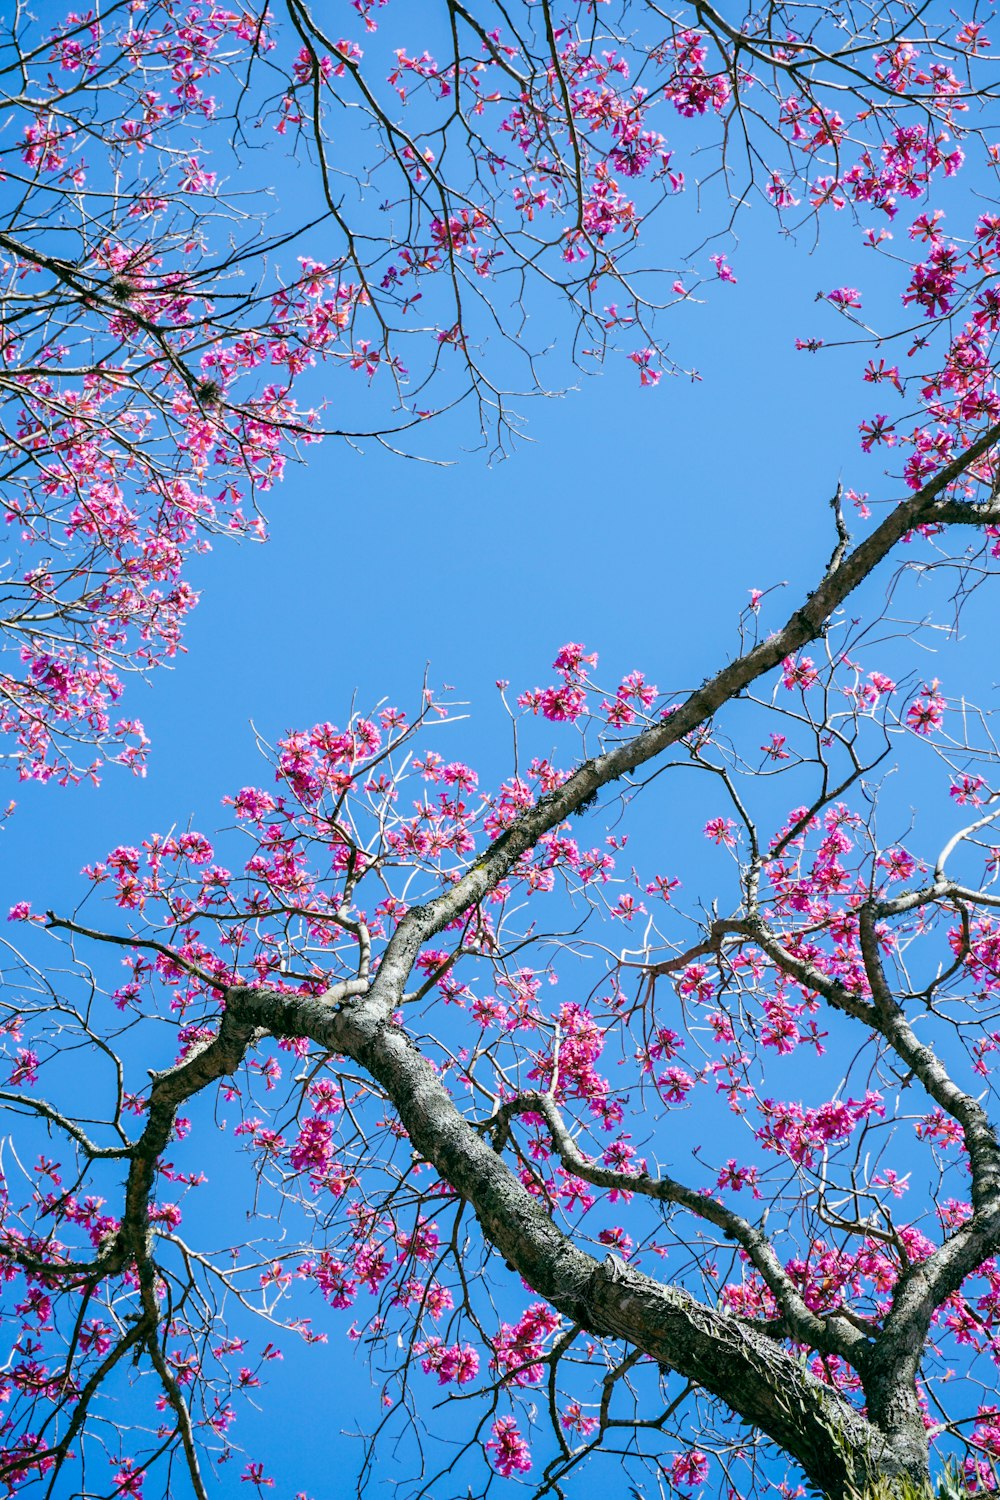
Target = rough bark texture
(767,1387)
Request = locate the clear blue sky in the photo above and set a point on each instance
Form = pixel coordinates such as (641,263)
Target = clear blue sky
(633,520)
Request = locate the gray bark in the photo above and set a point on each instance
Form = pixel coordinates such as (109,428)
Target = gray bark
(768,1388)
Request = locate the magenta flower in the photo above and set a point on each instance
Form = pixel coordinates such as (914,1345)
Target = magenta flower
(926,713)
(511,1454)
(844,297)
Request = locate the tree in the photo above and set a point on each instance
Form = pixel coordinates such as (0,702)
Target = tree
(364,1005)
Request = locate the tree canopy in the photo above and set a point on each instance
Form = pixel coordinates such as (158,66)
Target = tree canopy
(601,1158)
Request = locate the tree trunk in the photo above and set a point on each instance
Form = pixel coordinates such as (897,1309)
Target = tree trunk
(844,1456)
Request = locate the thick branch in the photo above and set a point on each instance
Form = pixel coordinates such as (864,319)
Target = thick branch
(204,1065)
(831,1335)
(767,1387)
(807,622)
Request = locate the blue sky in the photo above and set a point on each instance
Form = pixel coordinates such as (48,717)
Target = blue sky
(633,520)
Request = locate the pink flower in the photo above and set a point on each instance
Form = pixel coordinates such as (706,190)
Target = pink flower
(617,1239)
(926,713)
(775,749)
(251,803)
(780,193)
(627,907)
(736,1178)
(689,1469)
(878,430)
(254,1474)
(314,1148)
(510,1452)
(573,659)
(573,1420)
(165,1213)
(965,789)
(898,864)
(798,672)
(844,297)
(722,268)
(128,1480)
(453,1362)
(675,1084)
(25,1070)
(644,358)
(194,177)
(882,684)
(197,848)
(563,703)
